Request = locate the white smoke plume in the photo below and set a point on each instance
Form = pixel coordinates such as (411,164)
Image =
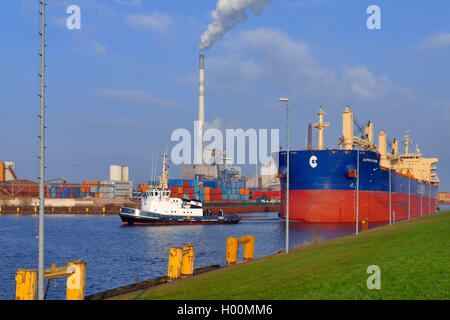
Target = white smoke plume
(227,14)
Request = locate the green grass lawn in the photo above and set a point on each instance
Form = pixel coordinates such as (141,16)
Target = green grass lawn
(413,257)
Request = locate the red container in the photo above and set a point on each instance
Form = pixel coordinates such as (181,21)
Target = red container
(189,190)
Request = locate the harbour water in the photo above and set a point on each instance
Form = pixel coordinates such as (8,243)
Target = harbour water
(118,255)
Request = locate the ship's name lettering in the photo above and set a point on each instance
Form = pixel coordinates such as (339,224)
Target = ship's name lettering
(370,160)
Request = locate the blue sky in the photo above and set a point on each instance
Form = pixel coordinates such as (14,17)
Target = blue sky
(118,87)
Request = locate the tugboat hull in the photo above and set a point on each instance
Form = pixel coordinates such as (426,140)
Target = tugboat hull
(132,216)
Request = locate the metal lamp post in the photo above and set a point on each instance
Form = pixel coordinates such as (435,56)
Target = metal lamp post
(41,158)
(357,191)
(409,198)
(287,175)
(390,191)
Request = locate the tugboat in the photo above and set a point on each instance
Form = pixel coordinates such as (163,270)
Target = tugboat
(158,208)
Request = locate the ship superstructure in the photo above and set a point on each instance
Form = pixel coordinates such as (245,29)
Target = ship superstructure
(410,164)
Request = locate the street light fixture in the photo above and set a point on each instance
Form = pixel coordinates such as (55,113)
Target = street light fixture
(287,175)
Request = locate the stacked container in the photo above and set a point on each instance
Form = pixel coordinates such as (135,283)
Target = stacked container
(271,195)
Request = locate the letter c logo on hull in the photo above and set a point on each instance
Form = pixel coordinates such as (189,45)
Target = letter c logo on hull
(313,161)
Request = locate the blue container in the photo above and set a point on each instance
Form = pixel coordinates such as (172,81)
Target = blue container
(76,192)
(193,183)
(202,191)
(211,184)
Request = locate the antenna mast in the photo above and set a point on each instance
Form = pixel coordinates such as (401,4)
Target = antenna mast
(41,156)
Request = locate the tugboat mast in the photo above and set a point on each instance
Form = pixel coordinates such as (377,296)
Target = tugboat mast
(165,174)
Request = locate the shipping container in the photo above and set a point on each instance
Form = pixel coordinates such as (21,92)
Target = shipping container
(211,184)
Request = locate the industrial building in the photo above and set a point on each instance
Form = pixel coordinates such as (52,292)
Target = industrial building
(7,171)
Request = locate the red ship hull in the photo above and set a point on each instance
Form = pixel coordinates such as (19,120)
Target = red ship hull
(331,206)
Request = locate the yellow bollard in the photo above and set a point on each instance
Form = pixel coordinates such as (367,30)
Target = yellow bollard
(187,262)
(175,258)
(232,251)
(18,210)
(249,247)
(26,284)
(76,281)
(364,224)
(232,248)
(0,210)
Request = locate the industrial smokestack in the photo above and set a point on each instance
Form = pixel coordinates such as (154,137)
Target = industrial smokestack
(201,90)
(201,110)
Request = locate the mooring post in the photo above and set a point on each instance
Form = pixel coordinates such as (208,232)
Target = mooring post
(76,281)
(175,259)
(187,262)
(26,284)
(232,251)
(249,247)
(365,224)
(232,248)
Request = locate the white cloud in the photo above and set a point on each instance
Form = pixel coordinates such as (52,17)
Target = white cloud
(132,95)
(269,57)
(437,41)
(156,21)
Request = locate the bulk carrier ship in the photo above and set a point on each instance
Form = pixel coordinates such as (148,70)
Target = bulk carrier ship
(358,179)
